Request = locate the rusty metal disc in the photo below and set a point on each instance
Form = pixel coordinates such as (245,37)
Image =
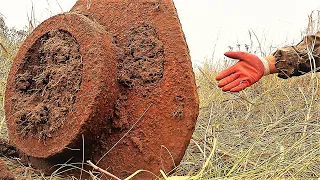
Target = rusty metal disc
(62,87)
(158,105)
(136,112)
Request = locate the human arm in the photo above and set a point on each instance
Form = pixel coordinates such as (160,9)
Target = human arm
(287,62)
(246,72)
(300,59)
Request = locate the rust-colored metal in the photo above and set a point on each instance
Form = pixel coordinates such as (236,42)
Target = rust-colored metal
(94,101)
(151,120)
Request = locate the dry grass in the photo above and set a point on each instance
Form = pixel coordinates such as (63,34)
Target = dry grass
(268,131)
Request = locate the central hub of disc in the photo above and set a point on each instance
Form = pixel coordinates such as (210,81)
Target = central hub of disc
(62,87)
(46,85)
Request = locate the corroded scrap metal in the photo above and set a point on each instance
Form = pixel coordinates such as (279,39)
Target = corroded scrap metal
(58,87)
(132,103)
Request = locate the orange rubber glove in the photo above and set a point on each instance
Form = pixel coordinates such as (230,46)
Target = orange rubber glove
(244,73)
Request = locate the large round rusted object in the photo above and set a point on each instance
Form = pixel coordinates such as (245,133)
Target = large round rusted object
(150,124)
(62,86)
(147,31)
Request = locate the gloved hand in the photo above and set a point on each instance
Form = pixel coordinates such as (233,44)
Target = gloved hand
(244,73)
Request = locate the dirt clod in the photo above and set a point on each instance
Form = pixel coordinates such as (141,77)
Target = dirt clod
(144,58)
(5,173)
(47,83)
(179,109)
(6,150)
(121,118)
(141,64)
(137,143)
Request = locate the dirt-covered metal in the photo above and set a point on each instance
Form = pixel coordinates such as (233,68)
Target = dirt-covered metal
(130,100)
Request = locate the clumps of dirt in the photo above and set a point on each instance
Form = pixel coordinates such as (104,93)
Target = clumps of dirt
(121,114)
(5,173)
(143,60)
(7,150)
(47,83)
(141,64)
(137,143)
(179,109)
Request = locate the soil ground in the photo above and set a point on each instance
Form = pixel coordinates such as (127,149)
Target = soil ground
(5,173)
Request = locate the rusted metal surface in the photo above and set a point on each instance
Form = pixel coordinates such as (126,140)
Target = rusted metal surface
(137,105)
